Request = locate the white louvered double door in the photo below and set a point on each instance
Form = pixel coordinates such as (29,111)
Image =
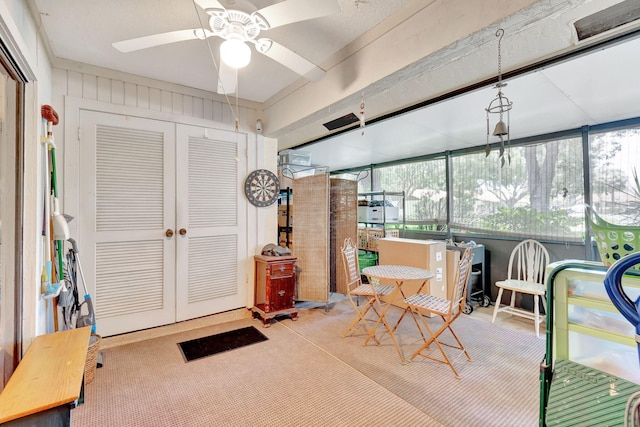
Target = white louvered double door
(159,231)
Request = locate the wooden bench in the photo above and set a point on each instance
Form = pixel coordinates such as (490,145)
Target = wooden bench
(48,380)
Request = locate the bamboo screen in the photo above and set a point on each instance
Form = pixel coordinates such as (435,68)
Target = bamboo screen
(311,236)
(343,208)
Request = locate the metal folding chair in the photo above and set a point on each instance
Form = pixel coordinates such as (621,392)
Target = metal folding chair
(368,312)
(448,310)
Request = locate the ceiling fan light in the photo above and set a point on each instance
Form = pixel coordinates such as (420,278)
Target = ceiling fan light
(235,53)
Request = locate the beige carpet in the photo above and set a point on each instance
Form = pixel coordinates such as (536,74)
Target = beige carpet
(500,387)
(305,375)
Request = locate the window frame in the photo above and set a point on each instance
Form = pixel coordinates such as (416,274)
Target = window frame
(583,133)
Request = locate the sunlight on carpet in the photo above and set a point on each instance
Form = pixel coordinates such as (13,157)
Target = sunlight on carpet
(305,374)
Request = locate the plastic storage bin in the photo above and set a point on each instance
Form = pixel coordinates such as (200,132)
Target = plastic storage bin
(301,158)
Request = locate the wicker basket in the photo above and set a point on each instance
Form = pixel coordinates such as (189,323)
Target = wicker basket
(392,232)
(373,234)
(92,358)
(613,241)
(362,238)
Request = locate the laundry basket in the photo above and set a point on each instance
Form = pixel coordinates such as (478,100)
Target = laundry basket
(367,260)
(613,241)
(92,358)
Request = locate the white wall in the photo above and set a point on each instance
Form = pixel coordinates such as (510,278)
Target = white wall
(53,86)
(19,33)
(80,86)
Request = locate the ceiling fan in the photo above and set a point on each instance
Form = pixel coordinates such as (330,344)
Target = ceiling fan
(237,28)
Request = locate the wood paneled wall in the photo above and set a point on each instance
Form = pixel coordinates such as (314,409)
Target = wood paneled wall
(135,91)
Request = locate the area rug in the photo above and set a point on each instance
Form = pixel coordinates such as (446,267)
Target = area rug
(225,341)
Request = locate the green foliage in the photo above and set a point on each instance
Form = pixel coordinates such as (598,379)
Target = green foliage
(615,183)
(427,227)
(635,187)
(522,219)
(539,193)
(630,208)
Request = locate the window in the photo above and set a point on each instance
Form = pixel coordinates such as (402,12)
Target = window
(364,181)
(615,185)
(537,193)
(425,189)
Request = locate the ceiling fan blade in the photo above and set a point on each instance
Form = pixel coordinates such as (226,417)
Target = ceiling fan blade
(160,39)
(290,59)
(286,12)
(226,79)
(211,6)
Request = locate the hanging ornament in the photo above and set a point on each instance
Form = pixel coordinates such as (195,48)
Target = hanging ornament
(362,115)
(500,105)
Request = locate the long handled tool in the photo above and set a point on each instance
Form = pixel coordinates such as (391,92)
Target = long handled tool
(88,319)
(69,300)
(50,288)
(45,277)
(52,282)
(60,226)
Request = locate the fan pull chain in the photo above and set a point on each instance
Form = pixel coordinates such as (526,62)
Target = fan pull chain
(215,64)
(237,114)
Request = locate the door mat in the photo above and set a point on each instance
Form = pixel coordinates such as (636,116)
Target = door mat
(213,344)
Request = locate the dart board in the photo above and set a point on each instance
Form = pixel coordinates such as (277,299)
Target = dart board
(261,187)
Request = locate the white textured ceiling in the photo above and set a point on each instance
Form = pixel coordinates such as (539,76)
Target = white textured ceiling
(391,54)
(591,89)
(83,31)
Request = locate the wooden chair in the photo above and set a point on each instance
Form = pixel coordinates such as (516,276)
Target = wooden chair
(448,310)
(526,275)
(369,292)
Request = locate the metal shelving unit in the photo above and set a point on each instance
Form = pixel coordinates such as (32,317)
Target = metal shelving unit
(371,196)
(288,227)
(375,229)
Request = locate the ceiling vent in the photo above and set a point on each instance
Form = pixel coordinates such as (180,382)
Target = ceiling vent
(341,121)
(608,19)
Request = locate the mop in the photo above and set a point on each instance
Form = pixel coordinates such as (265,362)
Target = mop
(51,287)
(55,228)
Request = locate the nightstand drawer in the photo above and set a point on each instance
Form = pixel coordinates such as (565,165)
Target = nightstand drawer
(281,269)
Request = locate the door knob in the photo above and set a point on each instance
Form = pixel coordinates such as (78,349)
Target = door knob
(169,232)
(182,231)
